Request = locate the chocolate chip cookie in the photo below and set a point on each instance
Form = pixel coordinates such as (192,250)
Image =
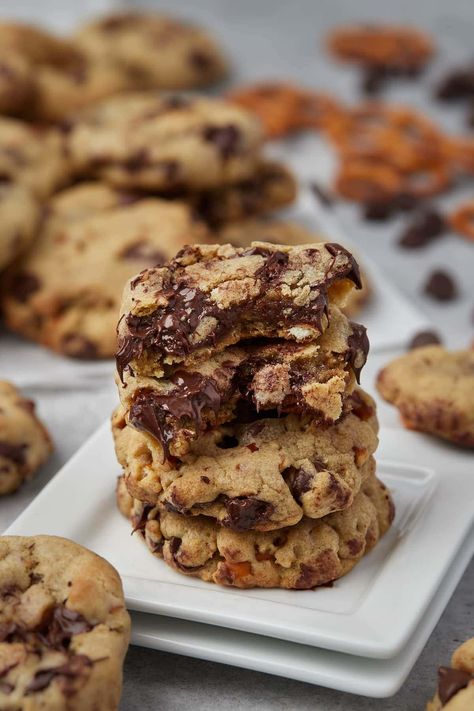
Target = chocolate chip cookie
(32,156)
(16,83)
(64,629)
(154,142)
(65,292)
(303,556)
(259,475)
(20,214)
(270,188)
(434,391)
(210,297)
(312,379)
(456,682)
(246,231)
(155,51)
(24,441)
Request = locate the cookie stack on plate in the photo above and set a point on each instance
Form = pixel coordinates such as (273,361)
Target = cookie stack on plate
(247,445)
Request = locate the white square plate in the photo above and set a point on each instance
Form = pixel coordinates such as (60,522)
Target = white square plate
(371,612)
(344,672)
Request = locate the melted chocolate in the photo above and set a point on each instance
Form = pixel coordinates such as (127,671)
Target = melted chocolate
(358,343)
(450,681)
(157,414)
(62,627)
(246,512)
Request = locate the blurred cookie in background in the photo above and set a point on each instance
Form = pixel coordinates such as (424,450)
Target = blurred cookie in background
(24,441)
(65,292)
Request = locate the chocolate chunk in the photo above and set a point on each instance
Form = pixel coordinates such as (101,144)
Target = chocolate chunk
(441,286)
(23,285)
(425,227)
(75,666)
(64,624)
(157,414)
(322,194)
(14,452)
(174,546)
(139,522)
(144,252)
(354,273)
(457,85)
(298,481)
(78,346)
(246,512)
(424,338)
(226,139)
(450,681)
(273,267)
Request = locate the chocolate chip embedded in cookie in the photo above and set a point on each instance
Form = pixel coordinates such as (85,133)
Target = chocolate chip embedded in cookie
(456,682)
(210,297)
(313,379)
(244,232)
(65,292)
(260,475)
(154,51)
(303,556)
(64,629)
(166,144)
(24,441)
(434,392)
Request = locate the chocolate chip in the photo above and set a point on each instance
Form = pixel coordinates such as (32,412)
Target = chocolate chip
(441,286)
(228,442)
(322,194)
(137,161)
(246,512)
(382,210)
(424,338)
(201,61)
(14,452)
(23,285)
(450,681)
(78,346)
(75,666)
(426,226)
(298,481)
(457,85)
(205,479)
(225,138)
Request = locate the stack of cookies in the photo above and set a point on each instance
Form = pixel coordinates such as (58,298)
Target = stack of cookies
(247,445)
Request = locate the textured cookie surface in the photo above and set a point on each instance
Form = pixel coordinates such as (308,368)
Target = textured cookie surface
(302,556)
(32,156)
(24,441)
(155,51)
(434,392)
(148,141)
(307,379)
(20,213)
(242,233)
(65,292)
(64,629)
(261,475)
(210,297)
(456,682)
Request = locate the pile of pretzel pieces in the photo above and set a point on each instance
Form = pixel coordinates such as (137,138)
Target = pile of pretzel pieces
(388,154)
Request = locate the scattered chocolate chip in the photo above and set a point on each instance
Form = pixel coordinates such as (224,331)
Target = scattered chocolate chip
(226,138)
(322,194)
(457,85)
(426,226)
(441,286)
(424,338)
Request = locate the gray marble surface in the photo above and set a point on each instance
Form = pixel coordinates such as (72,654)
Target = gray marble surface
(275,38)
